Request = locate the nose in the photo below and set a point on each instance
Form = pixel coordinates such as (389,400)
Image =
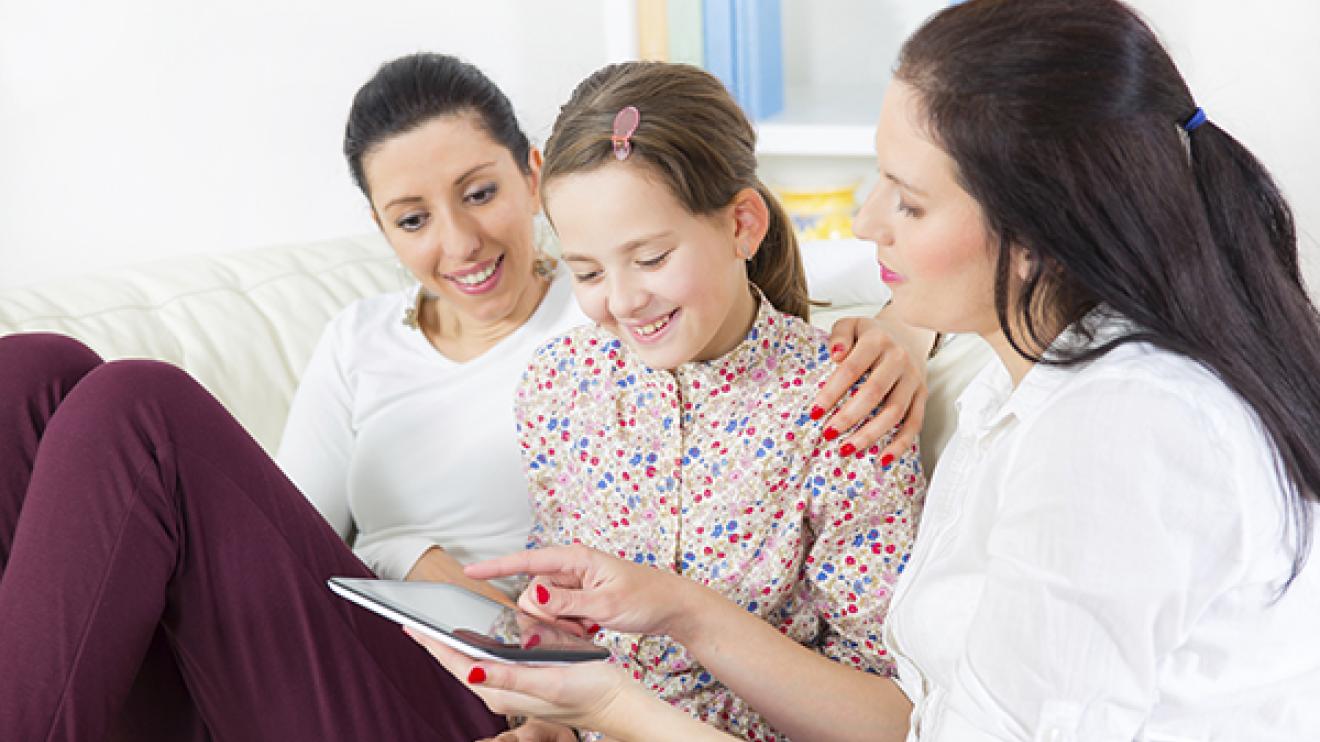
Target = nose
(458,239)
(872,222)
(627,297)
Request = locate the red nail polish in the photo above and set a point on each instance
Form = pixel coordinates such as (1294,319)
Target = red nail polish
(836,349)
(532,642)
(593,629)
(848,449)
(830,434)
(476,676)
(817,412)
(886,460)
(542,595)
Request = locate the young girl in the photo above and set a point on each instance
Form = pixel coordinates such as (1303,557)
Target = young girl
(1115,544)
(669,433)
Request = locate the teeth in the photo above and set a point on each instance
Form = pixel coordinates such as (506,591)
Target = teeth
(473,279)
(653,328)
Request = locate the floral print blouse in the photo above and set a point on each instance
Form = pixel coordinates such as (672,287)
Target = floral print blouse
(717,472)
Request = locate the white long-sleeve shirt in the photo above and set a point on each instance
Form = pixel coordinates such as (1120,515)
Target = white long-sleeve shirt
(1099,559)
(408,449)
(389,438)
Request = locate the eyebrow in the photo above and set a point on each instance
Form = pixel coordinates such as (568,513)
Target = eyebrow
(628,246)
(416,199)
(904,184)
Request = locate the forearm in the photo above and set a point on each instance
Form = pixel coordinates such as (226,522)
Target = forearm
(436,565)
(750,657)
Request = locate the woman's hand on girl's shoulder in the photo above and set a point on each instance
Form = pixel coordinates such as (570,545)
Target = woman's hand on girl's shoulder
(892,356)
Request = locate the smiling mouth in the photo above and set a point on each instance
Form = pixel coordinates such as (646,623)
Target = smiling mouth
(652,329)
(476,277)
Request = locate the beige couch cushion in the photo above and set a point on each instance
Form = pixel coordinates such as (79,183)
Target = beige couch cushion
(243,324)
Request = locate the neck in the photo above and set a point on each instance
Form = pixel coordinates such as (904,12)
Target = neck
(743,315)
(462,338)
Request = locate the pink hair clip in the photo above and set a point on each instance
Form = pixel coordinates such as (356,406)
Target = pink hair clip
(625,123)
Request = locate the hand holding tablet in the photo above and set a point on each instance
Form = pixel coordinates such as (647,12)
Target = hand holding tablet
(467,621)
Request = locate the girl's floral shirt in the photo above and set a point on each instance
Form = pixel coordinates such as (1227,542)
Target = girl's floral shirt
(716,471)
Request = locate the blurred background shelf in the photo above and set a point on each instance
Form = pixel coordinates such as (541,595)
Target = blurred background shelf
(823,121)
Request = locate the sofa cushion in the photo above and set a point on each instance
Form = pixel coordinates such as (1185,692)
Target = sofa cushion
(243,324)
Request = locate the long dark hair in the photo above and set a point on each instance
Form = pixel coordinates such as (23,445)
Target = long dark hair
(1065,119)
(695,139)
(410,91)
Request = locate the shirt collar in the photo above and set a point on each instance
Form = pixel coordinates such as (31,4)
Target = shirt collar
(990,399)
(749,355)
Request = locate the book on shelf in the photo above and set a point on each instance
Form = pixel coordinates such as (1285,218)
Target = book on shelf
(652,30)
(686,39)
(744,49)
(738,41)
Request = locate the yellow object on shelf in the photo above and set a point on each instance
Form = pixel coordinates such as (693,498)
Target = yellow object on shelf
(824,214)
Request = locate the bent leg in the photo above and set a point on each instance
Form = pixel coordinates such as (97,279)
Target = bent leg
(37,371)
(160,510)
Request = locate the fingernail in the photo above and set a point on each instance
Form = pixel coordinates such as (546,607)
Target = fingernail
(848,449)
(830,434)
(476,676)
(532,641)
(886,460)
(836,351)
(817,412)
(593,629)
(542,595)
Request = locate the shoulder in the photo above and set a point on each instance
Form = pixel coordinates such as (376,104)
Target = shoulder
(369,327)
(1139,383)
(799,347)
(1156,420)
(581,359)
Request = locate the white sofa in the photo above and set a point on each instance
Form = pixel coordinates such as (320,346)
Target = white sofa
(244,324)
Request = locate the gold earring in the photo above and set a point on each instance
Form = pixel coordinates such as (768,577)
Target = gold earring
(412,315)
(544,266)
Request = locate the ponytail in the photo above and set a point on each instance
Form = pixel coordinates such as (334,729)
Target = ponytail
(776,269)
(1266,345)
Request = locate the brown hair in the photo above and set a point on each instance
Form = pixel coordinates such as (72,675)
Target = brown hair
(696,140)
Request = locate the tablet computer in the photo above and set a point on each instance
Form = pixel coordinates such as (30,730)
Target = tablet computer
(471,623)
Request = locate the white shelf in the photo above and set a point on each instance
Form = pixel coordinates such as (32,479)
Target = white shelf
(822,121)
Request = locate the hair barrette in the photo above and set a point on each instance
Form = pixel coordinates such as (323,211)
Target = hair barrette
(625,124)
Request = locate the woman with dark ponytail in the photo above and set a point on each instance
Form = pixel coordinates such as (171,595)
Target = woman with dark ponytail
(1118,542)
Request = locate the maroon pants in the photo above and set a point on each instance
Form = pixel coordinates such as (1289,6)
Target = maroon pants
(162,579)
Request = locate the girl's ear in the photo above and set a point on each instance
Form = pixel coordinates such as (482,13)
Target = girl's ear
(751,220)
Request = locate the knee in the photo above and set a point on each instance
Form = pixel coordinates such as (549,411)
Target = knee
(138,380)
(38,360)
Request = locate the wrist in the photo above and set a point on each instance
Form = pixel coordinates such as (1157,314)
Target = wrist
(685,622)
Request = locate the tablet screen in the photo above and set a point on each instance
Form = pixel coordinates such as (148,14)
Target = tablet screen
(471,623)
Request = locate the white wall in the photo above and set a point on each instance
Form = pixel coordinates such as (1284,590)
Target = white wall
(145,128)
(140,129)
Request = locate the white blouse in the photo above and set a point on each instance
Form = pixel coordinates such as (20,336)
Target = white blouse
(1101,558)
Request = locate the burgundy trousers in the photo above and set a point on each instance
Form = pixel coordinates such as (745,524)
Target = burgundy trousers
(162,579)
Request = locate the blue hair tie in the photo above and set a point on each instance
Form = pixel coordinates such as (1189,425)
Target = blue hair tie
(1196,120)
